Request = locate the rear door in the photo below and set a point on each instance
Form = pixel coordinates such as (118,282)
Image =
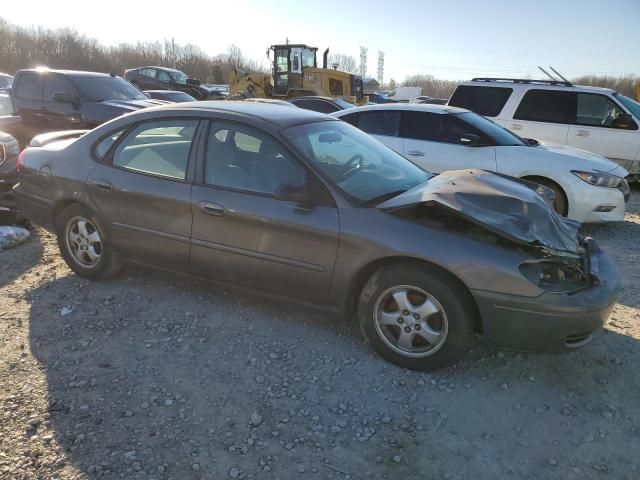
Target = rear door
(384,125)
(244,234)
(544,115)
(163,79)
(432,140)
(148,79)
(143,189)
(598,128)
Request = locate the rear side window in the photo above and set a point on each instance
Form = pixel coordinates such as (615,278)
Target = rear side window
(30,87)
(487,101)
(56,84)
(157,148)
(352,119)
(547,106)
(380,122)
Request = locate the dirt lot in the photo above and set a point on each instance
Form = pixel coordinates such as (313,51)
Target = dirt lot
(156,377)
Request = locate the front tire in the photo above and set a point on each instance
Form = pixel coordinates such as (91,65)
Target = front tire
(84,243)
(416,317)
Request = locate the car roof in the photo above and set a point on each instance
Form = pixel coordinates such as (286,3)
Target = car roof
(419,107)
(163,68)
(69,73)
(272,113)
(538,85)
(313,97)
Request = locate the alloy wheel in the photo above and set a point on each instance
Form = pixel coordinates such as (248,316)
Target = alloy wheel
(83,242)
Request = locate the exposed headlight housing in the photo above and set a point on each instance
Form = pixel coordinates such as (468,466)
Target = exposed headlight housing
(599,179)
(555,276)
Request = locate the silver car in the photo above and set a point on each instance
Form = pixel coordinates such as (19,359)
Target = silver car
(301,206)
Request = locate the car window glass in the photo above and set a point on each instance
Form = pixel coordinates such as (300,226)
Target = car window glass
(56,84)
(380,123)
(352,119)
(30,87)
(149,72)
(103,147)
(488,101)
(596,110)
(244,158)
(163,76)
(6,105)
(159,148)
(320,106)
(547,106)
(436,127)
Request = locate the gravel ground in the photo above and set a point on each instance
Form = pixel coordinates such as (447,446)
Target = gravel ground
(150,376)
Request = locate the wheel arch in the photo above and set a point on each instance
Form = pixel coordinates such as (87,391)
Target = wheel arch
(362,276)
(542,179)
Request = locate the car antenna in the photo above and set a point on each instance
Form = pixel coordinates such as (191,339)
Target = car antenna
(558,73)
(554,79)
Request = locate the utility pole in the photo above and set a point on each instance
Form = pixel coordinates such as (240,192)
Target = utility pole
(380,67)
(363,62)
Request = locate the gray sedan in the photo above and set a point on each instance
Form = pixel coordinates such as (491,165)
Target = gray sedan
(298,205)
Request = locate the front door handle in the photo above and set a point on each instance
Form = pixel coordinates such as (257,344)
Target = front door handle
(415,153)
(103,185)
(582,133)
(516,126)
(212,209)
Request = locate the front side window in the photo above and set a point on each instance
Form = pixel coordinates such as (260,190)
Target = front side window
(632,105)
(487,101)
(56,84)
(308,58)
(243,158)
(30,86)
(282,60)
(163,76)
(149,72)
(376,122)
(553,106)
(180,78)
(597,110)
(490,131)
(157,148)
(98,89)
(363,168)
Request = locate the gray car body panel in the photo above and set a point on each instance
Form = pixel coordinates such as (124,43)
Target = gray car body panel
(314,254)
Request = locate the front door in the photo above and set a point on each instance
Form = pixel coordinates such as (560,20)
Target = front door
(598,129)
(244,233)
(60,115)
(432,141)
(143,191)
(281,71)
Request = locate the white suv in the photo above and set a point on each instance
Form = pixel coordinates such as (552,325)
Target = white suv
(599,120)
(588,187)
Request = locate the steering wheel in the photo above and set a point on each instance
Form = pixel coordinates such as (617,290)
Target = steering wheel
(348,168)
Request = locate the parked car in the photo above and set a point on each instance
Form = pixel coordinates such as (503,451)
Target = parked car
(379,98)
(161,78)
(52,100)
(10,121)
(9,151)
(321,104)
(404,94)
(301,206)
(587,187)
(599,120)
(5,80)
(169,95)
(427,99)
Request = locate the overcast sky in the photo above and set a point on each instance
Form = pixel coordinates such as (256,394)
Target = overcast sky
(452,39)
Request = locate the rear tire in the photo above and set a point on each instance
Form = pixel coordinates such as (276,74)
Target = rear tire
(84,243)
(416,317)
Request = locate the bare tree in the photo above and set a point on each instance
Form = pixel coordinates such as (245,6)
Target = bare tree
(346,63)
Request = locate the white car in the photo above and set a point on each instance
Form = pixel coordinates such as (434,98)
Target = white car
(588,187)
(599,120)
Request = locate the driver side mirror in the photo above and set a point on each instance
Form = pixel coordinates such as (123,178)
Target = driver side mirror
(293,192)
(471,140)
(63,97)
(624,121)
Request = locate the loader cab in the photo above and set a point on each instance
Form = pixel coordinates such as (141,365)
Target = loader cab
(288,63)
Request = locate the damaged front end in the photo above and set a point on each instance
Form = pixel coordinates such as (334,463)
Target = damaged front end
(509,211)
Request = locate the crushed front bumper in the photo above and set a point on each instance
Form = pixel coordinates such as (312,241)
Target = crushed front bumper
(552,322)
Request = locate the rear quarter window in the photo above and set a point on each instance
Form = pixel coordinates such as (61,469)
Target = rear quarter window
(551,106)
(487,101)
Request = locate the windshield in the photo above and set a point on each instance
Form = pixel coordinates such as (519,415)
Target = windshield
(499,135)
(6,105)
(632,105)
(179,77)
(97,89)
(365,169)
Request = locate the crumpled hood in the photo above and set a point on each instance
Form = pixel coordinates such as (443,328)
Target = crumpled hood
(509,207)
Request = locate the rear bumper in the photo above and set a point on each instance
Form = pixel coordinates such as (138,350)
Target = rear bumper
(551,322)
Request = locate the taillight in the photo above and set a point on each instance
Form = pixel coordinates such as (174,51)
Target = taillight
(20,161)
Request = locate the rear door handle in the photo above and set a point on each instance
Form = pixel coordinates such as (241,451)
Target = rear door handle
(415,153)
(103,185)
(212,209)
(582,133)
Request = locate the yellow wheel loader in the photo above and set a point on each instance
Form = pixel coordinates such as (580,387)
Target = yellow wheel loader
(295,74)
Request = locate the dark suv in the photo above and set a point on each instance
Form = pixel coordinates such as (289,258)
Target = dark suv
(161,78)
(50,100)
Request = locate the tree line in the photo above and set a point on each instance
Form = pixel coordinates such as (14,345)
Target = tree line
(25,47)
